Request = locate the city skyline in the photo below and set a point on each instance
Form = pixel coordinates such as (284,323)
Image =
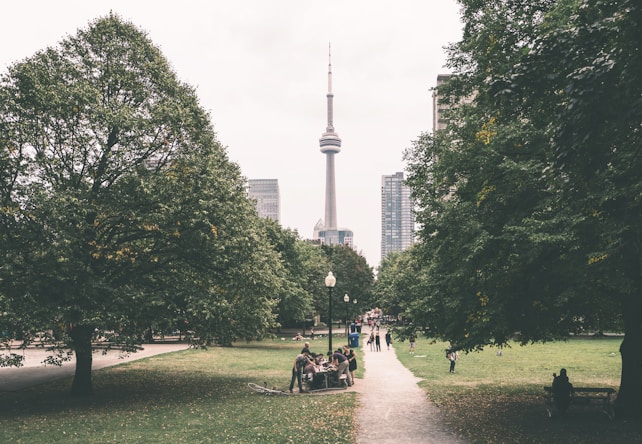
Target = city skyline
(260,72)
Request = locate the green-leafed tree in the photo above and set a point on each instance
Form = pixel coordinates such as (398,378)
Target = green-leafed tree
(354,278)
(529,202)
(121,211)
(303,267)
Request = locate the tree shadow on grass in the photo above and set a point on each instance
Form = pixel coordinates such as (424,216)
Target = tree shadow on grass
(124,389)
(525,420)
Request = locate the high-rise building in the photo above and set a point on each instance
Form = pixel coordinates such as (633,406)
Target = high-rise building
(397,219)
(438,109)
(328,232)
(265,193)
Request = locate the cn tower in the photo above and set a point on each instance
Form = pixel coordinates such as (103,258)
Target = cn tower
(330,145)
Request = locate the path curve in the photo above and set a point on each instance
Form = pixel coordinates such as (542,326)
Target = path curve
(393,409)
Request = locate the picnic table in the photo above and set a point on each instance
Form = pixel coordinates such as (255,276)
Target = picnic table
(325,378)
(584,396)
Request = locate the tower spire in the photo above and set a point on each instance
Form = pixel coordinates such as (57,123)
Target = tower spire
(330,96)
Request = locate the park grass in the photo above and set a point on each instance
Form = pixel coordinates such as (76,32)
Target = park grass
(499,399)
(201,396)
(193,396)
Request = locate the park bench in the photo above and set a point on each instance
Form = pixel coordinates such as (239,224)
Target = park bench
(585,396)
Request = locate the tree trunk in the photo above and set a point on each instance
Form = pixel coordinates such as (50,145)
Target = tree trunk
(629,399)
(81,344)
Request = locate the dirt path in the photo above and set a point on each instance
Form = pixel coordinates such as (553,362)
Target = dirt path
(393,408)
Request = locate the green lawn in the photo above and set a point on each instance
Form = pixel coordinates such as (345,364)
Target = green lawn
(499,399)
(195,396)
(201,396)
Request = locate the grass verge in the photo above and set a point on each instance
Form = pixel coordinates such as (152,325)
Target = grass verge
(194,396)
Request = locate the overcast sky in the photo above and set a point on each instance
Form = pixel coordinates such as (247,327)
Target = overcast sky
(260,68)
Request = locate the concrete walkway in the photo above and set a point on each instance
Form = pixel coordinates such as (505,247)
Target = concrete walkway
(33,372)
(393,408)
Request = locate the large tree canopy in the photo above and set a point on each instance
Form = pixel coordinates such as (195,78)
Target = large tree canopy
(120,209)
(530,200)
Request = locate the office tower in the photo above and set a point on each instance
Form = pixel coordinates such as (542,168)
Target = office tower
(265,193)
(397,220)
(328,232)
(438,109)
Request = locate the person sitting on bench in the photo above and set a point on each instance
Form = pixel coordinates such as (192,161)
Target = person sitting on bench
(562,390)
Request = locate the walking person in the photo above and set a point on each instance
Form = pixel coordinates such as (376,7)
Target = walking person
(412,340)
(378,342)
(371,341)
(388,339)
(352,360)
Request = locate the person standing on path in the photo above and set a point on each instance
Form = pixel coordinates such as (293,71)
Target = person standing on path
(377,342)
(388,339)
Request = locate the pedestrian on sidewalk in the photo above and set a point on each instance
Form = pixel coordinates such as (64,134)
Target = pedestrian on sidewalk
(388,339)
(378,342)
(371,341)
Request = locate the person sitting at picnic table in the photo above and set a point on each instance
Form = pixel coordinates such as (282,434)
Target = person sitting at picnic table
(341,363)
(562,390)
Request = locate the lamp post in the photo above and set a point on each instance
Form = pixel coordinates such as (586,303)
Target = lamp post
(330,281)
(346,299)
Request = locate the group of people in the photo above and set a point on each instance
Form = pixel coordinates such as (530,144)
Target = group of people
(343,361)
(374,340)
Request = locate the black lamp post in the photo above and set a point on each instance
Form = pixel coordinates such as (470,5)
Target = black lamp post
(330,281)
(346,299)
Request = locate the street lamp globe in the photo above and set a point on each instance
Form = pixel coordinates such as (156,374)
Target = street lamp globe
(330,280)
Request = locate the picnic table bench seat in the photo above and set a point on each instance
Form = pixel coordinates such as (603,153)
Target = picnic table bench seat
(584,396)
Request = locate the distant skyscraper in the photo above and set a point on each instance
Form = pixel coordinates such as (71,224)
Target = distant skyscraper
(438,109)
(397,220)
(328,231)
(265,193)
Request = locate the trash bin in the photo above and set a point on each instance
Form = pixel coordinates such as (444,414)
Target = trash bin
(353,340)
(353,327)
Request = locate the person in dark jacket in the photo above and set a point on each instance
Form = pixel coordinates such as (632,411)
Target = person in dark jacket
(562,390)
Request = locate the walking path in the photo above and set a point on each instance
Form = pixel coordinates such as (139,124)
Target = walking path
(34,372)
(393,408)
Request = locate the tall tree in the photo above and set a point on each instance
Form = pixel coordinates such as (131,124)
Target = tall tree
(530,224)
(124,210)
(354,276)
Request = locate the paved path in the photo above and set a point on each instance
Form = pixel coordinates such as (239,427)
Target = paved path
(393,408)
(34,372)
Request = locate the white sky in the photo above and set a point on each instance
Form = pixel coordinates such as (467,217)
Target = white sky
(260,68)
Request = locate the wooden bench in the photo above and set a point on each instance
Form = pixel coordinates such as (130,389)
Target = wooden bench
(584,396)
